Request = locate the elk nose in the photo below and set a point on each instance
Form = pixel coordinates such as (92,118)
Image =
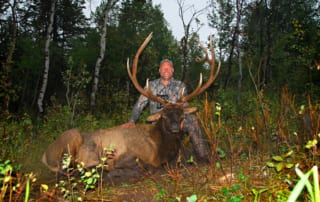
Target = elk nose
(175,127)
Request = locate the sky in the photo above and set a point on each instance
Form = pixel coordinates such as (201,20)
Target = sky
(171,13)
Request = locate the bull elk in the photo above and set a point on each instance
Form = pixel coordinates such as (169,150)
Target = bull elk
(153,144)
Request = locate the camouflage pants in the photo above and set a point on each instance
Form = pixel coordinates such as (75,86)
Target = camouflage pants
(192,127)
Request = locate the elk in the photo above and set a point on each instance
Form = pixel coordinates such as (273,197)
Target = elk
(153,144)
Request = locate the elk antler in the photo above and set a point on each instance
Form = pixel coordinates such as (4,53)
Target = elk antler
(198,90)
(213,74)
(133,75)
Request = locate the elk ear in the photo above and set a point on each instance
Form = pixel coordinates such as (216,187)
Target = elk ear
(154,117)
(189,110)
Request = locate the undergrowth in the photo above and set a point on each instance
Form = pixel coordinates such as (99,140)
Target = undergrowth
(260,148)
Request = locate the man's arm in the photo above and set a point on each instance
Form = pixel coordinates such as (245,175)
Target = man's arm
(137,110)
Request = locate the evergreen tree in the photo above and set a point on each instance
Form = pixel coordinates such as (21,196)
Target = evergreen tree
(283,36)
(133,28)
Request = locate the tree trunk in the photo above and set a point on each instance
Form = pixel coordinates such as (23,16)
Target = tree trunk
(268,69)
(185,61)
(239,51)
(185,40)
(234,43)
(5,83)
(109,5)
(240,75)
(47,58)
(229,65)
(261,71)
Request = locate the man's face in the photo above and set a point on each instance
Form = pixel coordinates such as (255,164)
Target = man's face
(166,71)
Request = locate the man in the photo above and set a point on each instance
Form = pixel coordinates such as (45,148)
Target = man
(168,88)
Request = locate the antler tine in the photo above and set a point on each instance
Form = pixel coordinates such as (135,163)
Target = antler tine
(213,73)
(133,74)
(194,92)
(206,58)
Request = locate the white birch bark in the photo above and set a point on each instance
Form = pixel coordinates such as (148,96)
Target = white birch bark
(47,58)
(239,10)
(100,58)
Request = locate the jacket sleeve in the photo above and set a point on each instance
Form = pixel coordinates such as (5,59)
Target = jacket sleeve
(138,108)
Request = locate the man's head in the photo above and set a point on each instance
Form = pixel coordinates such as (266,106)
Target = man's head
(166,69)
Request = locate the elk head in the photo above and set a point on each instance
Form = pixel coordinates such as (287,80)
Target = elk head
(172,116)
(182,98)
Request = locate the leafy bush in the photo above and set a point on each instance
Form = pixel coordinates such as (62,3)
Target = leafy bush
(17,133)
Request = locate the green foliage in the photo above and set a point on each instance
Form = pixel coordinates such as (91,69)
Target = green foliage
(229,137)
(231,193)
(76,80)
(90,178)
(192,198)
(121,103)
(313,191)
(58,117)
(17,134)
(221,18)
(195,68)
(28,67)
(5,177)
(256,193)
(291,59)
(161,194)
(73,188)
(281,162)
(11,185)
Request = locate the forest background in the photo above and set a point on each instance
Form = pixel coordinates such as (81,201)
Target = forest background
(275,42)
(60,69)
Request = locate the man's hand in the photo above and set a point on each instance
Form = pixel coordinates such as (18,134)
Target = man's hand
(128,125)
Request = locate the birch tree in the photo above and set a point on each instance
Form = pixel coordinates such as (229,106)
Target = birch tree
(237,41)
(226,17)
(234,43)
(47,57)
(109,5)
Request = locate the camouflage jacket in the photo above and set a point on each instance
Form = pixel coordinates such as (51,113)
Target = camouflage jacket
(169,92)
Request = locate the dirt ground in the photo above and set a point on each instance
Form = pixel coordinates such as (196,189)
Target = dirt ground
(213,181)
(173,183)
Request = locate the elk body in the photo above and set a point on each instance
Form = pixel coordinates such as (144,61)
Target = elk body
(69,142)
(153,144)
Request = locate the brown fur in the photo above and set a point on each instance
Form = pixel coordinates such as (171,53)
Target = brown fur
(153,144)
(69,142)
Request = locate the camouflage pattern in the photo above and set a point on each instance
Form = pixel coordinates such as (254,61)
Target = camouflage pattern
(191,126)
(171,92)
